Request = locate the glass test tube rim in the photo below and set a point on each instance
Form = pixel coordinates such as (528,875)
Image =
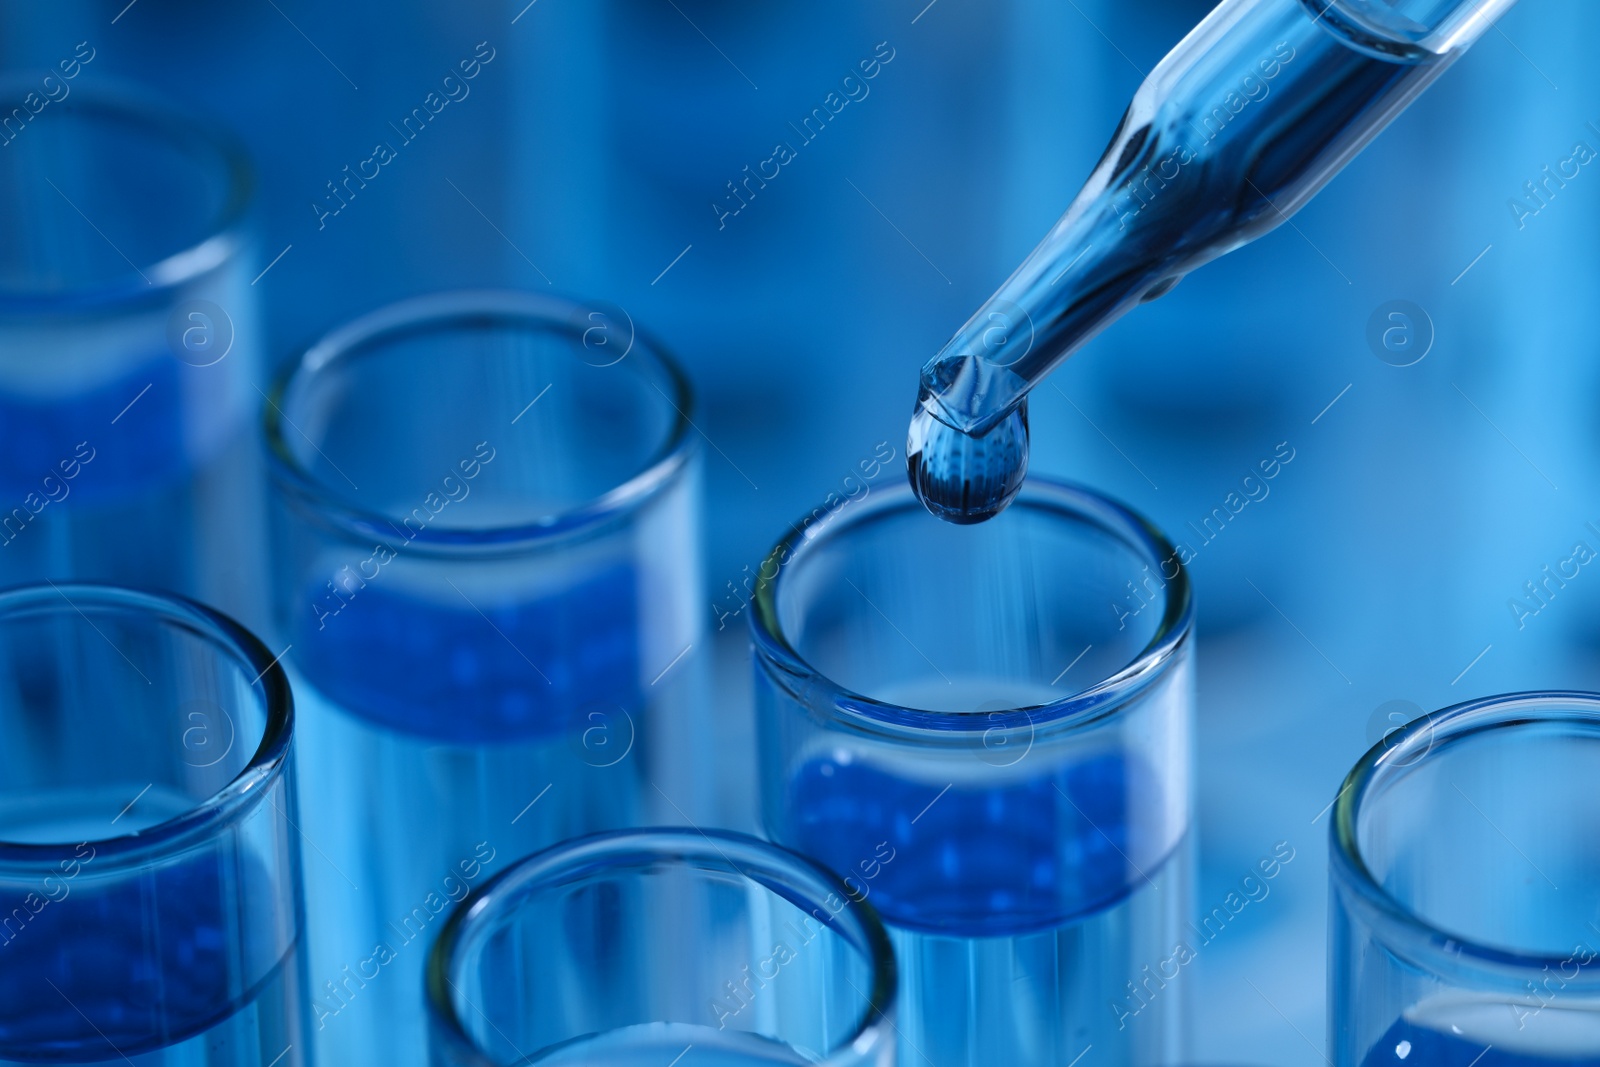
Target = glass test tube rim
(226,233)
(860,712)
(1398,928)
(229,805)
(787,873)
(325,503)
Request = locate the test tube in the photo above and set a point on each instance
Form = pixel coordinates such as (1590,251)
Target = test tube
(658,947)
(987,731)
(150,905)
(127,345)
(1465,874)
(486,579)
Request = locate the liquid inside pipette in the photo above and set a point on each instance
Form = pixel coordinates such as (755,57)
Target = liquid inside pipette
(1241,125)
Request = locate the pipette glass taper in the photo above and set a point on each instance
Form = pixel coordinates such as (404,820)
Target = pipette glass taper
(1231,134)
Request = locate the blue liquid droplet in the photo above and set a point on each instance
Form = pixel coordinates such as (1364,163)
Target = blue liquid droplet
(962,478)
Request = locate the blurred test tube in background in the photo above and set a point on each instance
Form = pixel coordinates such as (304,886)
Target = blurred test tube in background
(127,345)
(486,560)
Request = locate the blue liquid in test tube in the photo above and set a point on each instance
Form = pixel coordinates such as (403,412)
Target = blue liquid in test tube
(128,352)
(150,904)
(487,568)
(987,732)
(88,988)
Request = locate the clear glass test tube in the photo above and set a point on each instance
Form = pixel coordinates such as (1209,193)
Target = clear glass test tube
(1463,922)
(656,947)
(487,573)
(150,907)
(987,730)
(128,351)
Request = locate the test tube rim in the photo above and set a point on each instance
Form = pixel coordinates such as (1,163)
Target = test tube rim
(1399,929)
(205,819)
(774,651)
(576,857)
(225,234)
(325,503)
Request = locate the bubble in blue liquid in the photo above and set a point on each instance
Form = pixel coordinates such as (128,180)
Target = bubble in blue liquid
(962,478)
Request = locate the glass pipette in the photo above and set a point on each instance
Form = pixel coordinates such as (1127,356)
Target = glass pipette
(1232,133)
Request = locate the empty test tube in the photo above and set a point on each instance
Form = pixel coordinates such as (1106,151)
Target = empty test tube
(653,948)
